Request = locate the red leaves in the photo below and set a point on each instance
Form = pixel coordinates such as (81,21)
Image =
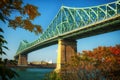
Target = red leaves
(103,59)
(115,50)
(105,54)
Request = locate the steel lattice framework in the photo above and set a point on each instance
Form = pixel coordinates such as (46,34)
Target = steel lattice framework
(70,19)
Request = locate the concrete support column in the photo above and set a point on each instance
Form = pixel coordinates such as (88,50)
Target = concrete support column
(22,60)
(66,49)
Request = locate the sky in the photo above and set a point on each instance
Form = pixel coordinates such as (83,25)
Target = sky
(48,10)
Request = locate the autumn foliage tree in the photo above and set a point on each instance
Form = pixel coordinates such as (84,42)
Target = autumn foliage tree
(105,61)
(26,13)
(97,64)
(116,52)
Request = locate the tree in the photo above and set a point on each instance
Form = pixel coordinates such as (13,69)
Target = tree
(2,42)
(101,62)
(27,13)
(5,72)
(104,59)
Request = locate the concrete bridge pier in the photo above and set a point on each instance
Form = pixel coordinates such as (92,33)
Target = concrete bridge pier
(66,49)
(22,60)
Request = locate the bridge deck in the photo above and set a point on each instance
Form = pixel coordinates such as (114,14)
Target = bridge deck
(76,24)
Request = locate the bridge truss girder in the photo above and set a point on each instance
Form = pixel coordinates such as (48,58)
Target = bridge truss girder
(70,19)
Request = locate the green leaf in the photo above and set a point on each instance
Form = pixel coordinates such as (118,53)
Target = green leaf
(5,41)
(5,47)
(2,18)
(3,53)
(1,36)
(1,30)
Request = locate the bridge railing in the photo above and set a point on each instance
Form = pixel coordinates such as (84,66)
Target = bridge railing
(69,19)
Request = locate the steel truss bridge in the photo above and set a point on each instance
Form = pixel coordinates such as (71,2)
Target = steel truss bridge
(76,23)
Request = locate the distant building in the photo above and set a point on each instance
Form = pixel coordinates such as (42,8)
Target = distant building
(41,62)
(50,62)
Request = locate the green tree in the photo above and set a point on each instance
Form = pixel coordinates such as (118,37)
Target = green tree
(5,72)
(2,42)
(27,13)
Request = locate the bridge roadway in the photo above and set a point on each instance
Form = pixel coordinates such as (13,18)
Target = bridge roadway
(107,25)
(69,25)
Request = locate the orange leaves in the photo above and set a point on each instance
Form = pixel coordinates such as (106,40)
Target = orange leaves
(39,29)
(108,59)
(103,59)
(88,53)
(31,11)
(18,19)
(101,53)
(6,6)
(115,50)
(3,7)
(15,23)
(33,28)
(27,13)
(26,24)
(17,4)
(12,23)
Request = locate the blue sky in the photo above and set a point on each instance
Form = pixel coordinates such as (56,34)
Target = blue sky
(48,10)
